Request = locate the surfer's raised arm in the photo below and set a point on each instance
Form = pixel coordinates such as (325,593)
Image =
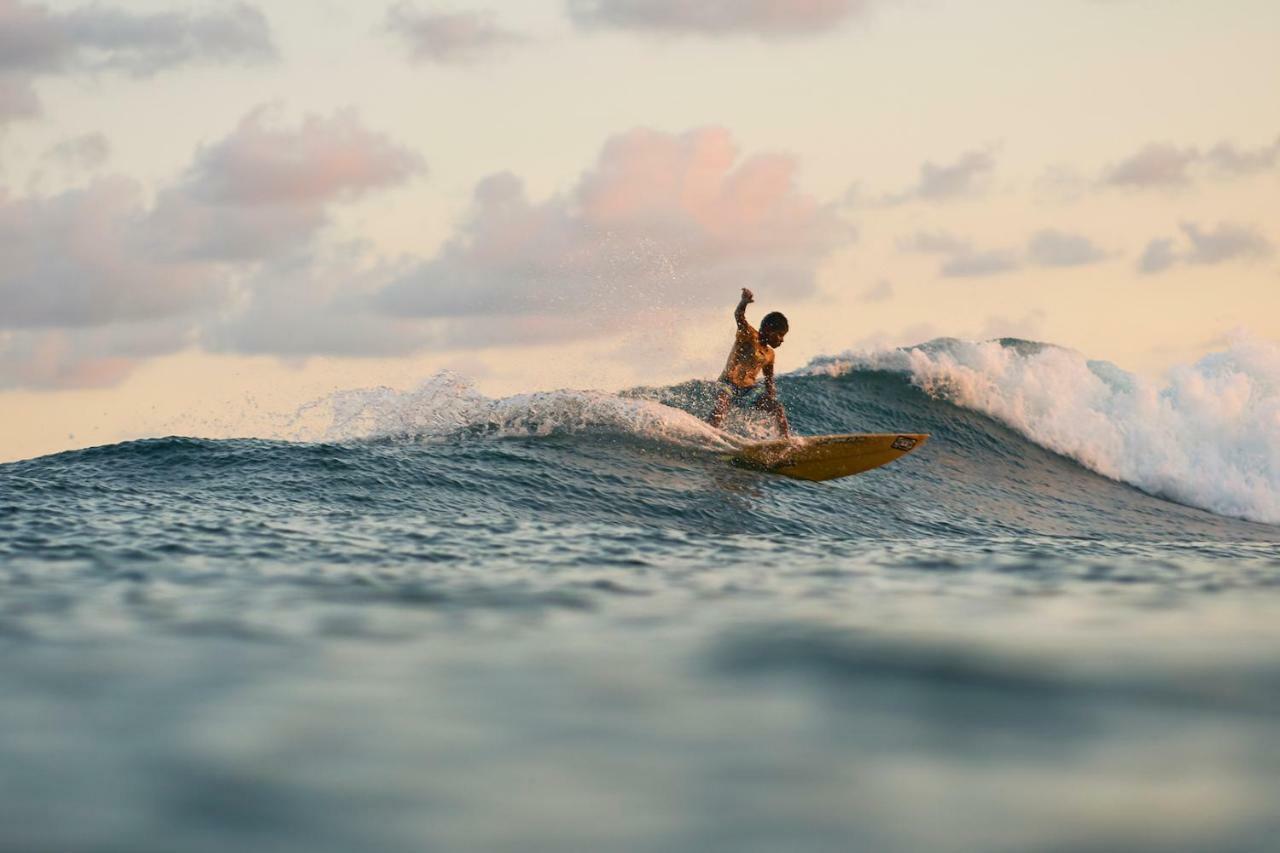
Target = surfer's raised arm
(740,313)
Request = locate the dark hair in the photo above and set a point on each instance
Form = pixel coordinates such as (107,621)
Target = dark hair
(774,321)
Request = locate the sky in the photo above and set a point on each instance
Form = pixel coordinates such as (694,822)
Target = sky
(213,213)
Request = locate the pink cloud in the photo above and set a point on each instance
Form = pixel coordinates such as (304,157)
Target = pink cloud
(267,188)
(323,159)
(99,260)
(661,220)
(85,358)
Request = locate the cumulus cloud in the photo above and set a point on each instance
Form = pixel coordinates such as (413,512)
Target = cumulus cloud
(1162,165)
(266,187)
(17,98)
(96,37)
(36,40)
(764,18)
(227,258)
(59,359)
(960,259)
(1045,248)
(662,221)
(965,177)
(447,37)
(81,272)
(1228,241)
(1227,158)
(88,257)
(1053,248)
(1158,256)
(315,303)
(1156,165)
(87,151)
(950,180)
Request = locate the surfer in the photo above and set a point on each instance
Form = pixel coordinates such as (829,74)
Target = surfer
(752,354)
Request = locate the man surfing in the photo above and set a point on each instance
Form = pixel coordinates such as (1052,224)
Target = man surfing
(751,355)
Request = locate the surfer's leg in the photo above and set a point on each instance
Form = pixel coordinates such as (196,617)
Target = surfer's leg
(721,408)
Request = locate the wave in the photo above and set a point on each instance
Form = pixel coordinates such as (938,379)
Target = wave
(1208,437)
(448,405)
(1021,432)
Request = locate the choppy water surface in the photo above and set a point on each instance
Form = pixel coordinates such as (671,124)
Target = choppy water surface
(561,622)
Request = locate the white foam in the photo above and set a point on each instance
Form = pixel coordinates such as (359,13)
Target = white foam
(447,404)
(1208,436)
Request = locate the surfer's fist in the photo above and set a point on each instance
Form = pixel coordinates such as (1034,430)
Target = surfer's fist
(747,295)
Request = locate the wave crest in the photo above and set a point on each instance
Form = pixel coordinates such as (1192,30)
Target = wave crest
(447,405)
(1209,436)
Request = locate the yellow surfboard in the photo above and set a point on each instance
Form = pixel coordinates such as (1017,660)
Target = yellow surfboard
(826,457)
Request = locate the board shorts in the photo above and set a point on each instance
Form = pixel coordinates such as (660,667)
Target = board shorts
(742,396)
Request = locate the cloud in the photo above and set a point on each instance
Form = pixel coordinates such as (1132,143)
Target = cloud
(961,259)
(1161,165)
(266,188)
(85,152)
(967,176)
(17,98)
(1206,247)
(981,263)
(1158,256)
(35,41)
(960,178)
(99,37)
(1053,248)
(88,257)
(1227,242)
(315,303)
(83,271)
(881,291)
(1156,165)
(1230,160)
(60,359)
(764,18)
(662,222)
(227,257)
(447,37)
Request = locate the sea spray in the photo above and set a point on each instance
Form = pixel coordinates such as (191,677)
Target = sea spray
(1209,436)
(448,405)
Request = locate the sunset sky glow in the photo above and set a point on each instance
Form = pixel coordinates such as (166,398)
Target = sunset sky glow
(212,214)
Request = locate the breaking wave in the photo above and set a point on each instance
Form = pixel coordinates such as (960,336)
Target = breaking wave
(1209,436)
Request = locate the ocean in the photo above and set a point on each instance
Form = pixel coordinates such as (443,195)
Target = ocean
(559,621)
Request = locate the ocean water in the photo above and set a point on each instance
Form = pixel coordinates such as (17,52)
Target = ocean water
(431,620)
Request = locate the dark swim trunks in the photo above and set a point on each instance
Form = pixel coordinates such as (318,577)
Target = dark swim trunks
(740,394)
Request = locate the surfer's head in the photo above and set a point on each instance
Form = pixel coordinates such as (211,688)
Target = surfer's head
(773,328)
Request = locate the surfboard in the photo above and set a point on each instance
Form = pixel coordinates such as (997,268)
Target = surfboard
(826,457)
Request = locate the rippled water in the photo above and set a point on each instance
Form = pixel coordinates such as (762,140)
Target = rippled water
(562,622)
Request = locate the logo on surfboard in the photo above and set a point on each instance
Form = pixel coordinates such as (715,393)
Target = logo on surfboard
(903,443)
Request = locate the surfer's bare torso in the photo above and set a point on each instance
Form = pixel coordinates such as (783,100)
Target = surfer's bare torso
(748,357)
